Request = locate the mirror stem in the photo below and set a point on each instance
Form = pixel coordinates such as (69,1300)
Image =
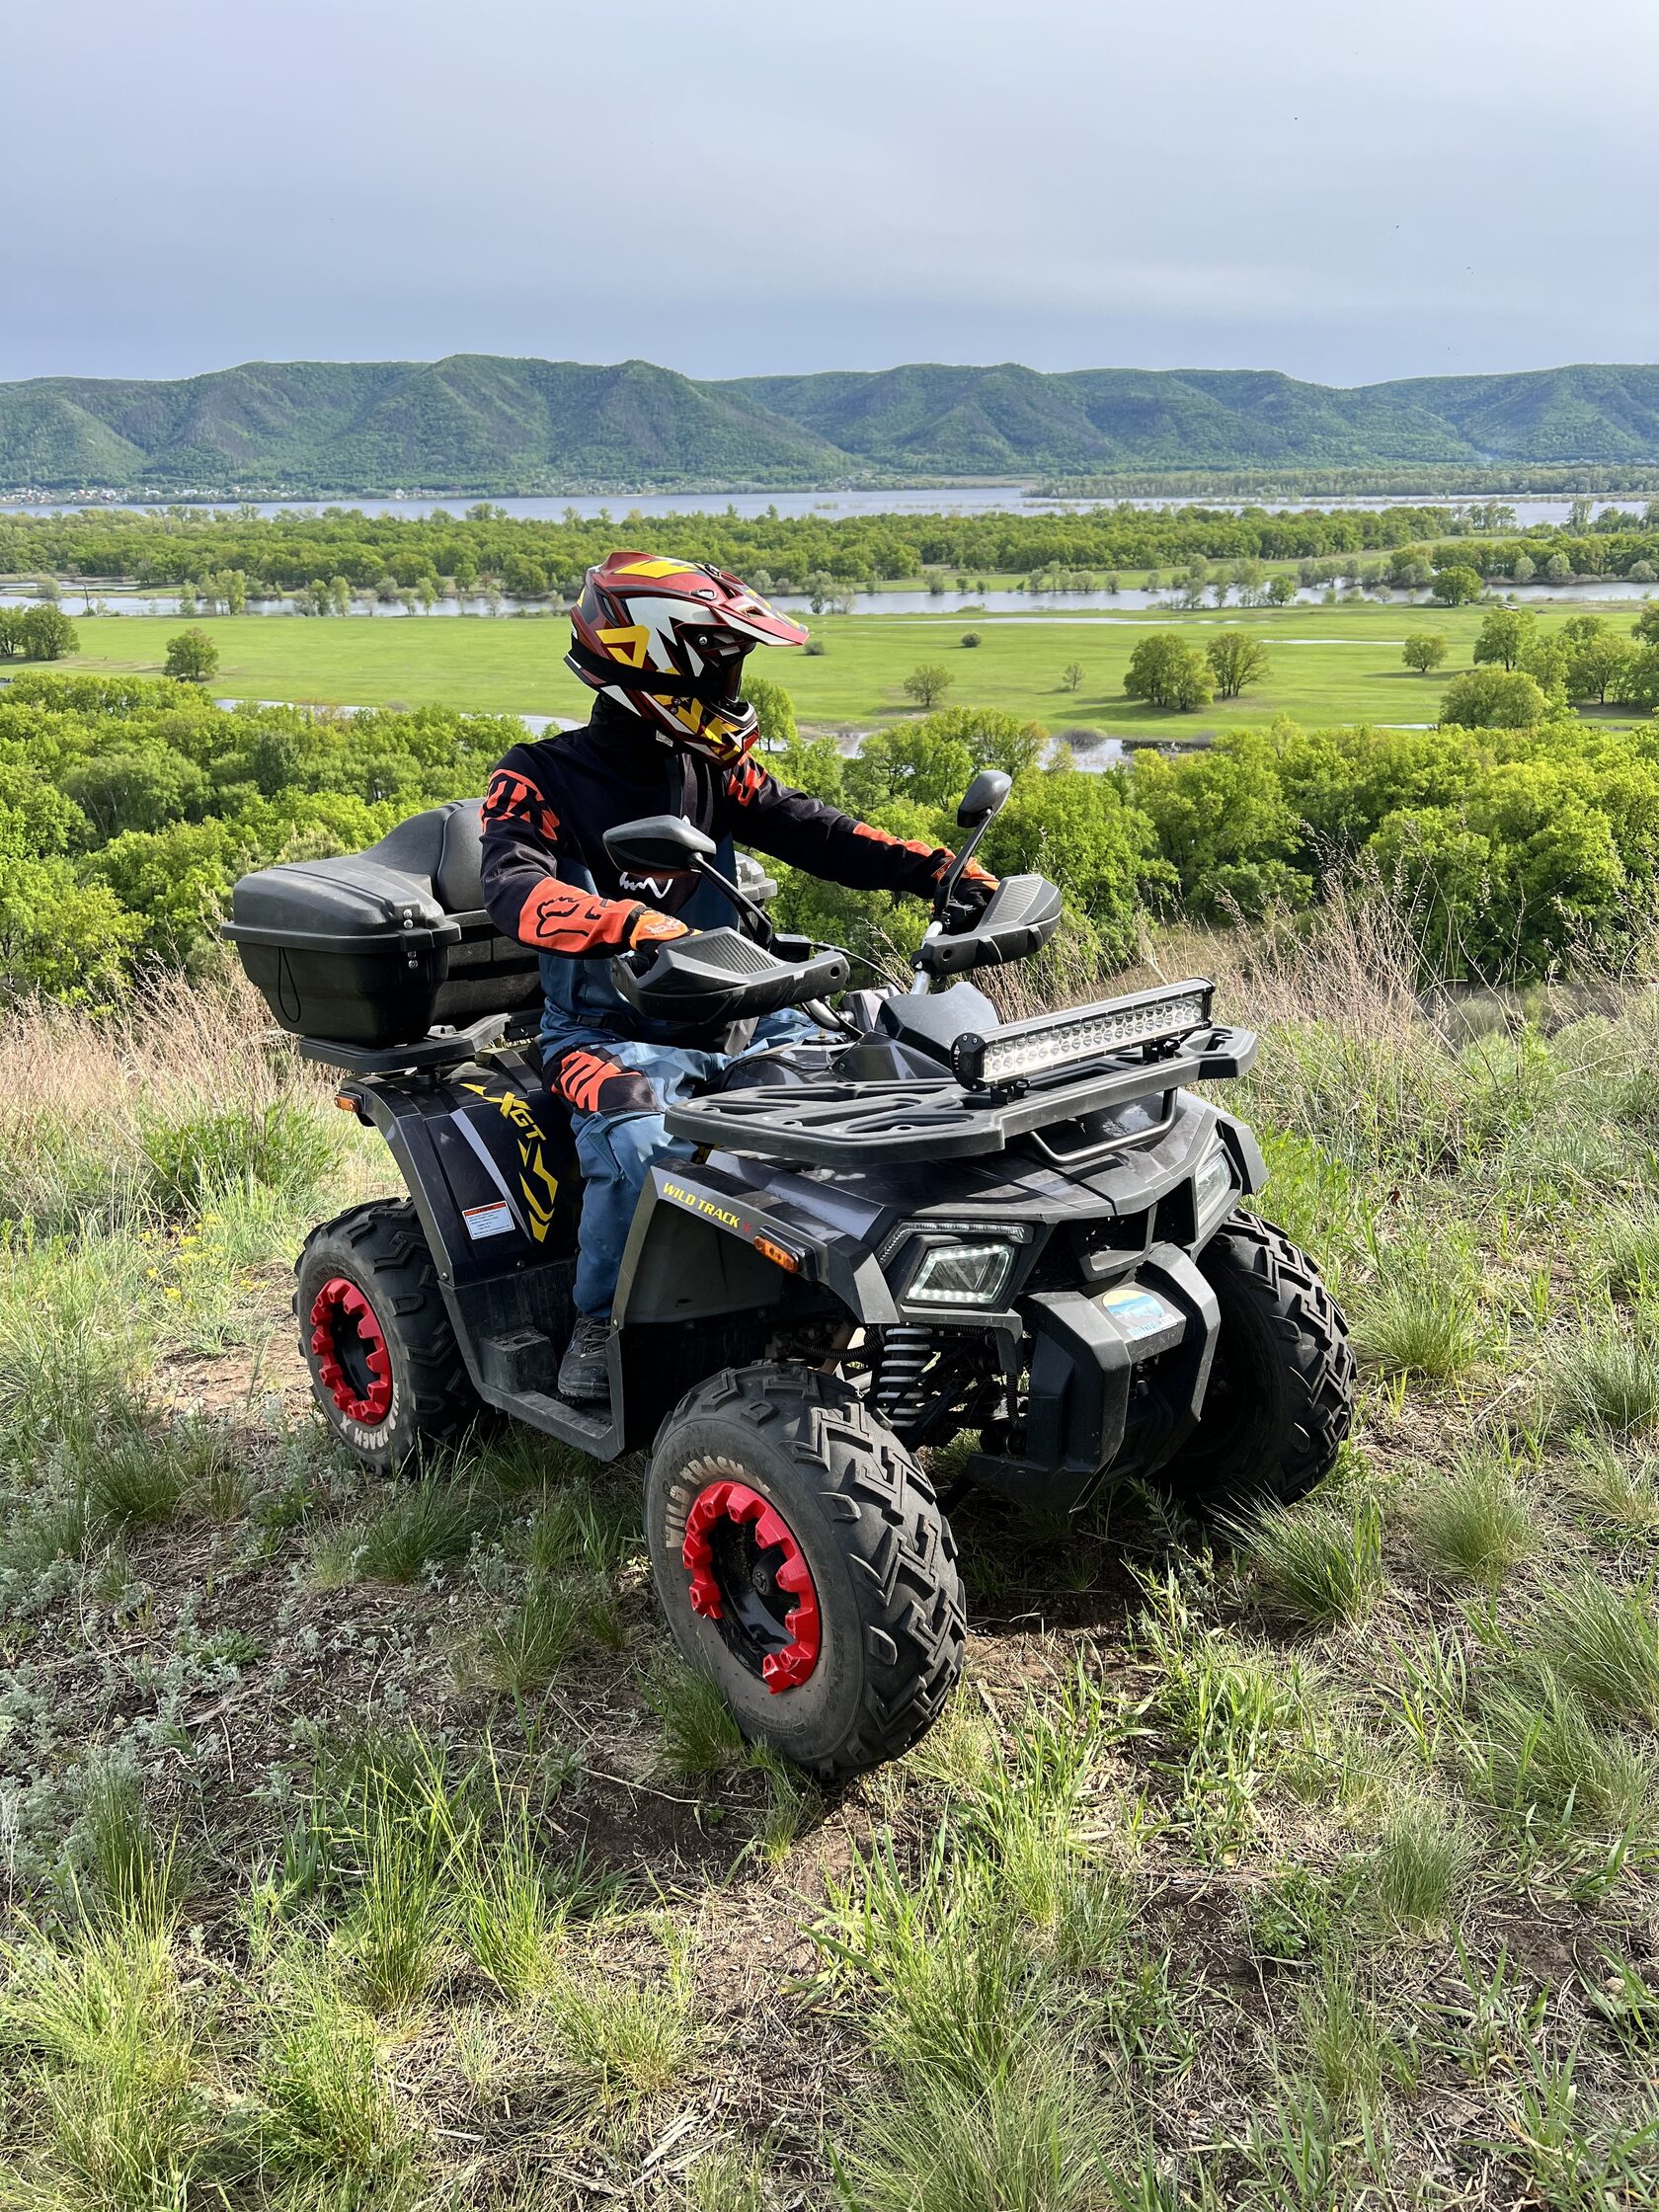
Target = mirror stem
(953,874)
(759,928)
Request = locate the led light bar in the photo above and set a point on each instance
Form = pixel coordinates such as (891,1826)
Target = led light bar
(1053,1041)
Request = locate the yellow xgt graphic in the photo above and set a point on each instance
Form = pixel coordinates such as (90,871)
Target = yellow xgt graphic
(537,1183)
(657,566)
(629,646)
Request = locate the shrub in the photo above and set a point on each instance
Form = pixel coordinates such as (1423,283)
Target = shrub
(971,638)
(282,1146)
(1494,699)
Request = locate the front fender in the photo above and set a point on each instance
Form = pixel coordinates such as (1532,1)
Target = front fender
(703,1244)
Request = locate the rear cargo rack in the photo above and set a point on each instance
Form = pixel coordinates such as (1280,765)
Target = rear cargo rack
(439,1048)
(831,1124)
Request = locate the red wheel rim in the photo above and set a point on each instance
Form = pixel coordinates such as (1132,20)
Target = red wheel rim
(346,1333)
(727,1506)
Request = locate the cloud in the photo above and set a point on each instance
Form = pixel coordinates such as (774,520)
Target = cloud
(1344,195)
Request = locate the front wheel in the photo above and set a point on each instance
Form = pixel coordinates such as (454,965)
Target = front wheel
(803,1563)
(1281,1394)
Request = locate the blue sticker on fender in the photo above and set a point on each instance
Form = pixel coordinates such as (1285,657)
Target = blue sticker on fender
(1141,1312)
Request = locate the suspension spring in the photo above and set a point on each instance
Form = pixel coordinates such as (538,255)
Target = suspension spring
(905,1352)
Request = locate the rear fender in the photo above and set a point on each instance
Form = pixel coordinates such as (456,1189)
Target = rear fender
(490,1162)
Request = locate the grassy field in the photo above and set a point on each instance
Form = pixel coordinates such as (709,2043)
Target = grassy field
(366,1848)
(1328,664)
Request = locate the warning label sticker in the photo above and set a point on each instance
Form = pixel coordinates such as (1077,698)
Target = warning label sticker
(494,1220)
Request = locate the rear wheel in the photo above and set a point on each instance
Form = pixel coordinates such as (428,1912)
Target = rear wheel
(385,1367)
(1281,1394)
(803,1562)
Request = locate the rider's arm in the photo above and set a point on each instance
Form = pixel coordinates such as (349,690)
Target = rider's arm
(806,832)
(521,887)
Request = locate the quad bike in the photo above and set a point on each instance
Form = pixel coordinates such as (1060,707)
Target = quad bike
(929,1223)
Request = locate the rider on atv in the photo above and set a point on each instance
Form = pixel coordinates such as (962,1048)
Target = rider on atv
(663,643)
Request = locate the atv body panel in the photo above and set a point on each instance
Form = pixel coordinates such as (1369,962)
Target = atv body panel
(1104,1315)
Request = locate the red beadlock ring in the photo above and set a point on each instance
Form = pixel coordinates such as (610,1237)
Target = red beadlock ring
(735,1501)
(337,1307)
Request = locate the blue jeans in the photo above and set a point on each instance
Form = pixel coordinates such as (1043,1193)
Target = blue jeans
(618,1089)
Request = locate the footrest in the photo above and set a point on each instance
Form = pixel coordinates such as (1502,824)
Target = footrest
(520,1361)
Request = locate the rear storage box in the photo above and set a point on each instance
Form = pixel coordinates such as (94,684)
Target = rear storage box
(377,947)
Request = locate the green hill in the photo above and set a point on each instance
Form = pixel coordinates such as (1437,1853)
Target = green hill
(473,423)
(478,423)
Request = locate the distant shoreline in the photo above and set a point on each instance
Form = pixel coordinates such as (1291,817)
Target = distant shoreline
(1591,480)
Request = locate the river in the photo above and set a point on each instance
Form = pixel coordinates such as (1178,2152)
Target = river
(982,499)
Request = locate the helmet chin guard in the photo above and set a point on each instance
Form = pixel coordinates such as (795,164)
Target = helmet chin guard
(667,639)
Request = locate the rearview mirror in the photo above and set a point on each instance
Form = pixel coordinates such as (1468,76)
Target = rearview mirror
(983,797)
(658,845)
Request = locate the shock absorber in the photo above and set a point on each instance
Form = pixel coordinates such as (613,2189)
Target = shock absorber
(905,1352)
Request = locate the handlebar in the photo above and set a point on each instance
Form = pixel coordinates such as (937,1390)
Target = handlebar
(716,976)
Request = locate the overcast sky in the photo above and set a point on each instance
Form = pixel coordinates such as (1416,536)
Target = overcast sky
(1345,192)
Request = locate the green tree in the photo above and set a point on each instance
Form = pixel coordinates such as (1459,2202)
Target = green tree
(774,710)
(125,788)
(1504,637)
(914,764)
(927,684)
(192,656)
(1423,650)
(60,937)
(993,739)
(1600,666)
(1166,672)
(1225,824)
(1493,699)
(1072,676)
(45,633)
(1646,624)
(1280,589)
(1236,660)
(1456,586)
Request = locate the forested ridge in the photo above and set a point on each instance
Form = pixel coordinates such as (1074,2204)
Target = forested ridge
(489,423)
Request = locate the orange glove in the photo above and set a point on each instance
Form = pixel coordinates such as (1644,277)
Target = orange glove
(649,927)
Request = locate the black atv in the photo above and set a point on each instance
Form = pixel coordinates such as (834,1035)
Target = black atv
(929,1223)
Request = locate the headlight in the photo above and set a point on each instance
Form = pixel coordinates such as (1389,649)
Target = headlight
(1034,1047)
(1213,1183)
(960,1275)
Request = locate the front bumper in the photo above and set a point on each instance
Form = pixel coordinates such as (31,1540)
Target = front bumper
(1087,1352)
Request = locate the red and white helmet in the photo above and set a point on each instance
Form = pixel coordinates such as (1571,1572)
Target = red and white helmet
(667,639)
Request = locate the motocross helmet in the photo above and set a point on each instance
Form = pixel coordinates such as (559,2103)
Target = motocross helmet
(667,639)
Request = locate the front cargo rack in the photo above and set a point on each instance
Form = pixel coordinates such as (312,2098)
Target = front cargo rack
(849,1124)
